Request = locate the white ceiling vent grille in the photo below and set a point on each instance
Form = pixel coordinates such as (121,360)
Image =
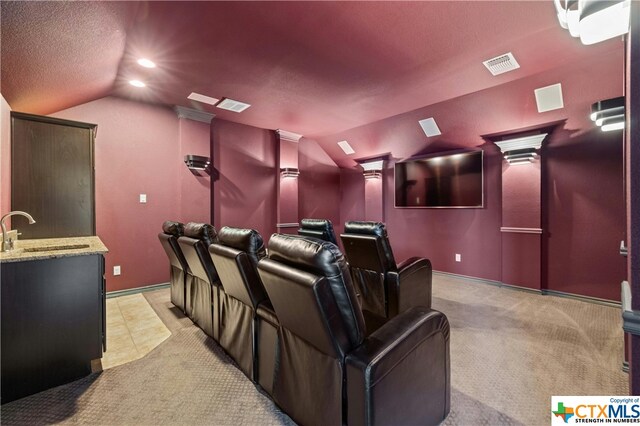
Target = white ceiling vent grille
(231,105)
(501,64)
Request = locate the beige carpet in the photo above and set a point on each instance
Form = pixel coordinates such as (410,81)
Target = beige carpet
(510,351)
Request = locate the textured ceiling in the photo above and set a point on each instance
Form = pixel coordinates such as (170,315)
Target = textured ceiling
(316,68)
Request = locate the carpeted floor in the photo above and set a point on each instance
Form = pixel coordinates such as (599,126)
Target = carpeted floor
(510,352)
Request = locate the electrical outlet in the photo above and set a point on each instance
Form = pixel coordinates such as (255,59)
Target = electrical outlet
(116,270)
(458,257)
(143,198)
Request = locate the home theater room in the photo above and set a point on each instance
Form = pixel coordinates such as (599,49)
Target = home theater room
(319,213)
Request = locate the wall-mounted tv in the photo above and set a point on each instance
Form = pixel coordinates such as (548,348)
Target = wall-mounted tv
(440,181)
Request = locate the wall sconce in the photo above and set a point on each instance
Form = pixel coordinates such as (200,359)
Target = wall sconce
(521,150)
(289,172)
(197,162)
(373,169)
(609,114)
(594,20)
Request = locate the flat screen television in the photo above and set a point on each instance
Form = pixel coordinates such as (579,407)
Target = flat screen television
(442,181)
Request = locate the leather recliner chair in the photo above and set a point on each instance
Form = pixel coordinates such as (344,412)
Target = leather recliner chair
(328,372)
(318,228)
(384,288)
(180,274)
(205,288)
(247,329)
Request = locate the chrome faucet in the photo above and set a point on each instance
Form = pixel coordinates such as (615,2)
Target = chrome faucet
(8,245)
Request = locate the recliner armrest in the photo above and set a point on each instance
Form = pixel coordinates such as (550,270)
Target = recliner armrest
(401,373)
(410,286)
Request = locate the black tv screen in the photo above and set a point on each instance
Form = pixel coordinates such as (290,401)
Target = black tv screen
(453,180)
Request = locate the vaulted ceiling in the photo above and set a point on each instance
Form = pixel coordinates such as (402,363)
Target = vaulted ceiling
(316,68)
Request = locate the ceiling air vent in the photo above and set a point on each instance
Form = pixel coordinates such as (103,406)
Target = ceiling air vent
(231,105)
(501,64)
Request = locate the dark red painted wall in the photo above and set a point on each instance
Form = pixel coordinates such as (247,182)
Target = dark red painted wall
(581,192)
(318,183)
(244,193)
(136,151)
(195,188)
(584,198)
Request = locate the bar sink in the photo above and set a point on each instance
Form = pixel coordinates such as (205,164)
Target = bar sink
(55,248)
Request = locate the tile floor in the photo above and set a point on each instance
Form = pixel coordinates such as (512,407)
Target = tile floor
(133,330)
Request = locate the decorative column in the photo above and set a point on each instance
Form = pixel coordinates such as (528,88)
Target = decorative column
(287,161)
(373,190)
(521,211)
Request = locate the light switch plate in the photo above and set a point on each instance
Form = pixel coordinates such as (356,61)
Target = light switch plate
(143,198)
(116,270)
(458,257)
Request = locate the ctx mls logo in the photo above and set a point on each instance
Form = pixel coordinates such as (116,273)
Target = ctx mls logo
(565,413)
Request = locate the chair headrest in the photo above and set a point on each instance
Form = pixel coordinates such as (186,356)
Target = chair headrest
(377,230)
(365,228)
(246,240)
(171,227)
(316,224)
(319,228)
(201,231)
(313,255)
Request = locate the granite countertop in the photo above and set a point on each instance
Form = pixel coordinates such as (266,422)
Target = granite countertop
(22,249)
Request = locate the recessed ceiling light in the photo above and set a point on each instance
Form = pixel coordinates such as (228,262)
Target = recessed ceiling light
(137,83)
(346,147)
(549,98)
(202,98)
(231,105)
(429,127)
(147,63)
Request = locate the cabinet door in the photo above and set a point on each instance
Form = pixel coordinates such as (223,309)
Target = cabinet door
(52,176)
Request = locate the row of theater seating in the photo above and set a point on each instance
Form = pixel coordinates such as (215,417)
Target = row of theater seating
(331,342)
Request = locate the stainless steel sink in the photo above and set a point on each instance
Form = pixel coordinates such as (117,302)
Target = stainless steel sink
(55,248)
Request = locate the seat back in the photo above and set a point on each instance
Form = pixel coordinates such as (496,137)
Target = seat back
(318,228)
(236,256)
(171,231)
(308,283)
(195,246)
(367,248)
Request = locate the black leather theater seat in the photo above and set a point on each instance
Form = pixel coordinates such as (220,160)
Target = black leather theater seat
(318,228)
(180,274)
(328,372)
(248,326)
(384,288)
(205,289)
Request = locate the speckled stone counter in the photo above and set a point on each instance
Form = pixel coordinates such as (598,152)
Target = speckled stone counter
(75,246)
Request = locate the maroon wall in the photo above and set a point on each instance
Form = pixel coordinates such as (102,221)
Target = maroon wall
(136,151)
(585,213)
(318,184)
(244,192)
(582,199)
(195,188)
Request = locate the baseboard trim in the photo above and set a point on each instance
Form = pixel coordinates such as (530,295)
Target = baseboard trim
(556,293)
(137,290)
(596,300)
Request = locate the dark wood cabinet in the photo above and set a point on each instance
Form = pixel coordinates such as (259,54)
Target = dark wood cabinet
(52,176)
(52,322)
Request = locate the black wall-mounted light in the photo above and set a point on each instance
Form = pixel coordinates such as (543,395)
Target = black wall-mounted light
(609,114)
(198,163)
(289,172)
